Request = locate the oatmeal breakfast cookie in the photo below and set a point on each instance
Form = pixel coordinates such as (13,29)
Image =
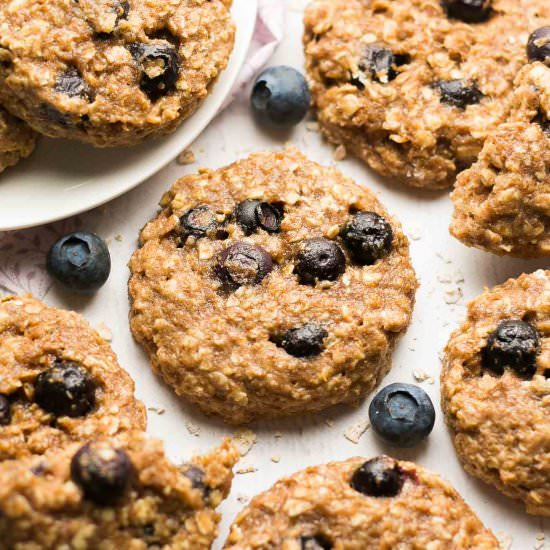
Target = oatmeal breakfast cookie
(356,504)
(495,388)
(413,87)
(16,140)
(502,203)
(110,72)
(59,381)
(271,287)
(113,495)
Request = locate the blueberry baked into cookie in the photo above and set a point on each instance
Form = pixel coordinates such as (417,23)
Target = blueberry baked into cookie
(495,388)
(110,72)
(379,503)
(59,381)
(16,140)
(113,495)
(413,87)
(271,287)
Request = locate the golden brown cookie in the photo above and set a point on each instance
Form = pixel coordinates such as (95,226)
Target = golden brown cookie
(381,503)
(16,140)
(60,382)
(270,287)
(495,389)
(110,494)
(414,88)
(110,72)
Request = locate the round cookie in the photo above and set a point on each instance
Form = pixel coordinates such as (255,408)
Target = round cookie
(496,389)
(271,287)
(113,494)
(59,381)
(381,503)
(408,88)
(111,72)
(16,140)
(502,203)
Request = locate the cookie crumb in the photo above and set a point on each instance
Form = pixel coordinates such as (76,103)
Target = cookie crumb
(186,157)
(156,410)
(355,432)
(276,459)
(118,238)
(104,331)
(453,295)
(340,153)
(193,429)
(242,498)
(312,126)
(329,422)
(505,540)
(244,440)
(423,376)
(247,470)
(415,233)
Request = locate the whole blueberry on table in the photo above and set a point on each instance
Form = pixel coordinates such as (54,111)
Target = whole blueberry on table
(402,415)
(80,261)
(280,97)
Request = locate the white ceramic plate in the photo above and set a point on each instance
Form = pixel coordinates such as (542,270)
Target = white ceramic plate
(63,177)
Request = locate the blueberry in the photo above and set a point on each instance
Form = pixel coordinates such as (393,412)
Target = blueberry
(304,341)
(65,389)
(469,11)
(538,45)
(513,344)
(381,63)
(80,261)
(317,542)
(368,237)
(252,215)
(71,84)
(198,222)
(378,477)
(159,65)
(280,97)
(196,476)
(543,122)
(402,415)
(243,264)
(5,410)
(458,93)
(319,259)
(103,472)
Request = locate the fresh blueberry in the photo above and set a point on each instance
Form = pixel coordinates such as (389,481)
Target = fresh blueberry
(318,542)
(252,215)
(103,472)
(159,65)
(65,389)
(5,410)
(72,84)
(513,344)
(378,477)
(368,237)
(538,45)
(198,222)
(80,261)
(196,476)
(402,415)
(319,259)
(243,264)
(304,341)
(458,93)
(469,11)
(280,97)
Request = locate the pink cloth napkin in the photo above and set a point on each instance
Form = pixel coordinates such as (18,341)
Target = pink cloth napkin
(23,253)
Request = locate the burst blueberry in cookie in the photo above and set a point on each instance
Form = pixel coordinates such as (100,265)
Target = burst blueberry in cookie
(469,11)
(317,542)
(378,477)
(368,237)
(538,45)
(243,264)
(319,260)
(5,410)
(304,341)
(458,93)
(253,215)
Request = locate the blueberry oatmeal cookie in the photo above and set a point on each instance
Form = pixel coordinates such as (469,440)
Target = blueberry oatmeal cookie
(502,203)
(110,72)
(113,494)
(16,140)
(59,381)
(413,87)
(271,287)
(495,388)
(356,504)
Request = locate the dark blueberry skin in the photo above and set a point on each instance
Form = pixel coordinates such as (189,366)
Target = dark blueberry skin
(368,237)
(458,93)
(380,62)
(198,222)
(538,45)
(103,473)
(319,259)
(252,215)
(65,389)
(544,123)
(280,97)
(469,11)
(318,542)
(378,477)
(71,83)
(514,344)
(196,476)
(148,56)
(80,261)
(402,415)
(5,411)
(304,341)
(243,264)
